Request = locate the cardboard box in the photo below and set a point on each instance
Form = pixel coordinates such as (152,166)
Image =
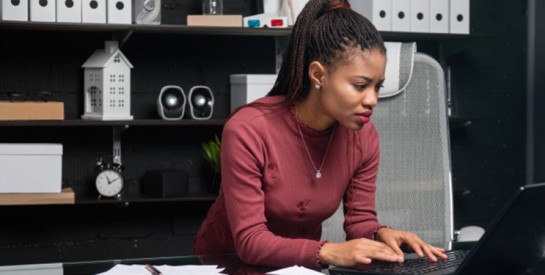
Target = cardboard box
(67,196)
(30,168)
(215,20)
(31,110)
(246,88)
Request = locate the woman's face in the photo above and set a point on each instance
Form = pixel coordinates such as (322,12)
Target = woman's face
(350,88)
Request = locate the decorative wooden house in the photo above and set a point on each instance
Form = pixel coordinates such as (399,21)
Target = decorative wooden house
(107,84)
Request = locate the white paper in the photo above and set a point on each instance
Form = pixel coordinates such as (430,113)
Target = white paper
(122,269)
(295,270)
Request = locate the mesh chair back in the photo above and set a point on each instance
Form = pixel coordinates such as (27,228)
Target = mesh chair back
(413,185)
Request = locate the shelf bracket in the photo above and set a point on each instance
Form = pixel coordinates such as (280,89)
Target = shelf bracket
(116,140)
(122,36)
(281,43)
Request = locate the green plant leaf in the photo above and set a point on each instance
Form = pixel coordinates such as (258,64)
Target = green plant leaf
(211,153)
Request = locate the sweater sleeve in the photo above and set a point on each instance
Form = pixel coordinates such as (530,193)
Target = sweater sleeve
(360,215)
(242,161)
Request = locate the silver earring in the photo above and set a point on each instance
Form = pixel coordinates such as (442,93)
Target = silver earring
(317,86)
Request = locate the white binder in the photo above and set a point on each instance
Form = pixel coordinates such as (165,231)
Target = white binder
(119,11)
(69,11)
(439,16)
(420,15)
(459,16)
(379,12)
(401,15)
(93,11)
(43,10)
(14,10)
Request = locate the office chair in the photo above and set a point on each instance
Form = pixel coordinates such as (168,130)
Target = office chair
(413,185)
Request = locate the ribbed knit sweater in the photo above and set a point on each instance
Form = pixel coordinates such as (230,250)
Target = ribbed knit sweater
(271,206)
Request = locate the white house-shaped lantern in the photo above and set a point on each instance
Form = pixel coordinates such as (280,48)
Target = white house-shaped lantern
(107,84)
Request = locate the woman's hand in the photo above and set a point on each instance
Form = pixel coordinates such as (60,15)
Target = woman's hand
(395,238)
(356,252)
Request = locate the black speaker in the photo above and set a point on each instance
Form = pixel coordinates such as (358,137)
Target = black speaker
(166,183)
(201,102)
(171,103)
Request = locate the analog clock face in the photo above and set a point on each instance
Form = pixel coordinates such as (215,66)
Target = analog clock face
(109,183)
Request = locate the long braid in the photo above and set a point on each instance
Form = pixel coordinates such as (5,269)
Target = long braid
(323,31)
(292,72)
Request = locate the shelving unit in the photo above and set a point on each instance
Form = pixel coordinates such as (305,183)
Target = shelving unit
(161,44)
(84,123)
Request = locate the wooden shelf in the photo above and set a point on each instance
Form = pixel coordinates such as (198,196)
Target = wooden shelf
(184,29)
(135,28)
(67,196)
(145,199)
(136,122)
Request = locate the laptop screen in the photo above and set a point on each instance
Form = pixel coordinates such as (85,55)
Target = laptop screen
(515,240)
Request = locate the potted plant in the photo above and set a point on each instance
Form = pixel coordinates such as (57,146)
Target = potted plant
(211,153)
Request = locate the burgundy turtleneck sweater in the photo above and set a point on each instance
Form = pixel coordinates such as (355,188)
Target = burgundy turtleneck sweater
(271,206)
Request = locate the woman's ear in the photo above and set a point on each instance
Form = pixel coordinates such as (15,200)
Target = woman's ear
(316,73)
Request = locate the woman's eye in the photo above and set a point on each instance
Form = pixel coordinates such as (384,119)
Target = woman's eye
(360,87)
(378,87)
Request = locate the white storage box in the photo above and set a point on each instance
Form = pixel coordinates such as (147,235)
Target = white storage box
(30,168)
(93,11)
(379,12)
(119,11)
(69,11)
(14,11)
(43,11)
(32,269)
(246,88)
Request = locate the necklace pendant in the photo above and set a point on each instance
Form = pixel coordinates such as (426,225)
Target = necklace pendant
(318,174)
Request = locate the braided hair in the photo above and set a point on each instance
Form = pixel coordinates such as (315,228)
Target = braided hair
(324,31)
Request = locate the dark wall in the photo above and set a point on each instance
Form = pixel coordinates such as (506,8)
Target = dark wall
(537,92)
(488,90)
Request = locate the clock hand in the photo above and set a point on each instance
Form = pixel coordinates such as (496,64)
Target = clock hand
(108,179)
(114,180)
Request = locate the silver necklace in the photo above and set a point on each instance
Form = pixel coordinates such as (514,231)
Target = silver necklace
(318,170)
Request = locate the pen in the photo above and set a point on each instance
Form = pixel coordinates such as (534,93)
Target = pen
(153,270)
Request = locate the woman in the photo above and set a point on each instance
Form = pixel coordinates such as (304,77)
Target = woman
(289,159)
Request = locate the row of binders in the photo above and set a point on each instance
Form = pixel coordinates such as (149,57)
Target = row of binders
(82,11)
(422,16)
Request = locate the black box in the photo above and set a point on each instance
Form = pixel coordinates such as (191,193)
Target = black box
(166,183)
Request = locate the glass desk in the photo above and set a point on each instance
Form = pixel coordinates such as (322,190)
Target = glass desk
(231,262)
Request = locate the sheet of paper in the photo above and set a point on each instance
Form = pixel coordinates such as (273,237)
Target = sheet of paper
(122,269)
(295,270)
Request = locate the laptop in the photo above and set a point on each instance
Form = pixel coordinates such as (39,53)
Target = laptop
(513,243)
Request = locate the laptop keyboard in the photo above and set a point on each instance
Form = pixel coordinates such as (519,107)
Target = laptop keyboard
(415,266)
